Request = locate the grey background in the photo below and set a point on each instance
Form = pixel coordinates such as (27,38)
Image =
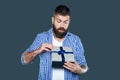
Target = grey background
(97,23)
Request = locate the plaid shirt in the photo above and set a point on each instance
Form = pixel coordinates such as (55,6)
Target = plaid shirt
(71,40)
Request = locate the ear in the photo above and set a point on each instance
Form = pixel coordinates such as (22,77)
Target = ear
(52,20)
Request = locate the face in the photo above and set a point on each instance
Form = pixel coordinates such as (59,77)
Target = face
(60,25)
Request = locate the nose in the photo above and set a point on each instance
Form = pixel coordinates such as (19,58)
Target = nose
(62,24)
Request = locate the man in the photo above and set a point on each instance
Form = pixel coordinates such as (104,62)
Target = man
(57,36)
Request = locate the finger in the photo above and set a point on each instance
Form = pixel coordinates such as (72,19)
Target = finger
(67,67)
(49,46)
(70,64)
(46,49)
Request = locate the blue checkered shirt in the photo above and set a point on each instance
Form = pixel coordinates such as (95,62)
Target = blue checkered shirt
(45,71)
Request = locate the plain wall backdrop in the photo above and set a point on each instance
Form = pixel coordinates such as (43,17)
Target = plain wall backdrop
(96,22)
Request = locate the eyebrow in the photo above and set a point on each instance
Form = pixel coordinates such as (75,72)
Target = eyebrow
(61,20)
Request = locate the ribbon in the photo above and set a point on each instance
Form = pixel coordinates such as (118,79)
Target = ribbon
(61,52)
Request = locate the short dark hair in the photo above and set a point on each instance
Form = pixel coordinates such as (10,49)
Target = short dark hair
(62,10)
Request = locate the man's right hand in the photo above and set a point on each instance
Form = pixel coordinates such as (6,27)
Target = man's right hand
(29,56)
(44,47)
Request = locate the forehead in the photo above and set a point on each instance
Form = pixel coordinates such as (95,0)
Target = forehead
(60,17)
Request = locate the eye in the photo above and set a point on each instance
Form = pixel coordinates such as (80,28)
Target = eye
(59,21)
(66,22)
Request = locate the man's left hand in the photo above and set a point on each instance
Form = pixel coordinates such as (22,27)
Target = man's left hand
(73,67)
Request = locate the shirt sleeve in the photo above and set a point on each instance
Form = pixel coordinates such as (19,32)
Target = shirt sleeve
(79,53)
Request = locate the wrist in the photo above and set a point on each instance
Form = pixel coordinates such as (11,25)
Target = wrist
(83,70)
(35,53)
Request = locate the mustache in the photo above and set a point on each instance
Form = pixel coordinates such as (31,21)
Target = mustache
(61,28)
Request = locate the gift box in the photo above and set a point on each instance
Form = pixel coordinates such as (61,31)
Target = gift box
(60,55)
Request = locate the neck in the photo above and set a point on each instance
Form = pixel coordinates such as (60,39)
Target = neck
(58,39)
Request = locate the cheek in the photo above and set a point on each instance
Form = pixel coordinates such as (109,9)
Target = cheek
(66,26)
(57,25)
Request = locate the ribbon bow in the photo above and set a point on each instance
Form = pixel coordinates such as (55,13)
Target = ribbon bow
(61,52)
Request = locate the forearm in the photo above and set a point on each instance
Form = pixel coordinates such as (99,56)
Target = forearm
(29,56)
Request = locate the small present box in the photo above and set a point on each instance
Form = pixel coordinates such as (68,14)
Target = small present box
(61,55)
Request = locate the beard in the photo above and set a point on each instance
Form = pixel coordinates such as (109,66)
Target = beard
(59,34)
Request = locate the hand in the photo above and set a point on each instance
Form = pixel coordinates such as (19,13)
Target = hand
(73,67)
(44,47)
